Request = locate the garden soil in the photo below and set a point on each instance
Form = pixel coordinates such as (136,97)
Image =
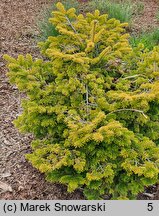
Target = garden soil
(18,179)
(147,20)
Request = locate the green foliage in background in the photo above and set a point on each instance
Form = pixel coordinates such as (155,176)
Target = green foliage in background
(149,39)
(46,28)
(120,10)
(92,106)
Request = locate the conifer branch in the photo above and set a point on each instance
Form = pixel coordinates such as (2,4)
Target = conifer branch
(93,31)
(92,104)
(149,195)
(133,110)
(155,68)
(136,75)
(87,99)
(70,24)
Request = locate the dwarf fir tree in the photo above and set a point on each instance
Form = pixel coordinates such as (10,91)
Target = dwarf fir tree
(92,106)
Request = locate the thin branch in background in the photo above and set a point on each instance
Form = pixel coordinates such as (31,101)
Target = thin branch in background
(149,195)
(133,110)
(87,99)
(92,104)
(70,24)
(155,67)
(136,75)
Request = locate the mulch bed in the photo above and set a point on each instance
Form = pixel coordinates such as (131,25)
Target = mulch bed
(21,180)
(147,20)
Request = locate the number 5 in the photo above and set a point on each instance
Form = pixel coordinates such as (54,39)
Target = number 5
(150,206)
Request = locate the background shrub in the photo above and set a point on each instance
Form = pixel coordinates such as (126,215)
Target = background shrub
(121,10)
(46,28)
(149,39)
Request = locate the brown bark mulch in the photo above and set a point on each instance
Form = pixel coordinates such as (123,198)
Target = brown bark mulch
(147,20)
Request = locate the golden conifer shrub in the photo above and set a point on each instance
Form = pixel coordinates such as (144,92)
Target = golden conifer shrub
(92,106)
